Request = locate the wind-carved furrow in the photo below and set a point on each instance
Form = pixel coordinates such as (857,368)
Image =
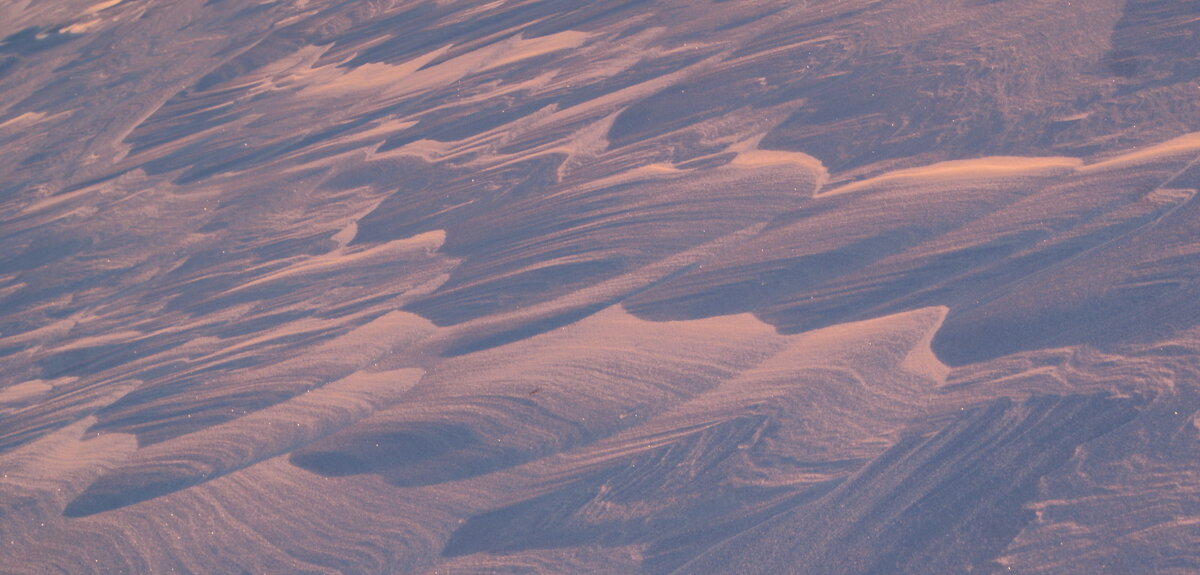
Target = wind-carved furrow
(972,235)
(490,410)
(662,497)
(907,511)
(618,286)
(177,464)
(736,453)
(1129,285)
(157,415)
(583,235)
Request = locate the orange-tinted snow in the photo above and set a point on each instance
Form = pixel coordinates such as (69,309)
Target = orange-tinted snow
(748,286)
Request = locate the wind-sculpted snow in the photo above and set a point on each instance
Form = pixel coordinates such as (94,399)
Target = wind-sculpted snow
(838,287)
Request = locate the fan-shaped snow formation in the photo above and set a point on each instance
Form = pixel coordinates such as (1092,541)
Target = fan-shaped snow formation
(744,286)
